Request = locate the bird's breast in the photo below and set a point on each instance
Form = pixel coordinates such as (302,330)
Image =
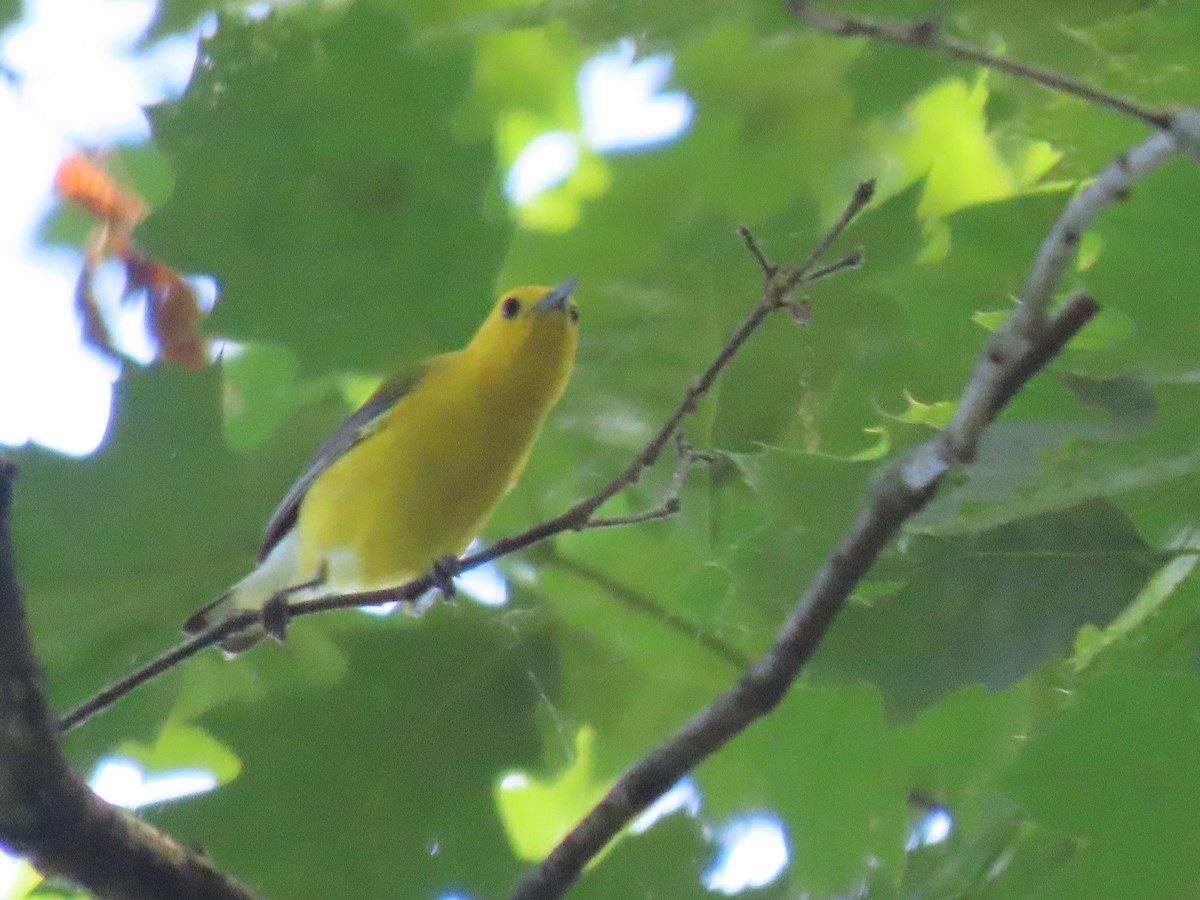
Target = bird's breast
(418,488)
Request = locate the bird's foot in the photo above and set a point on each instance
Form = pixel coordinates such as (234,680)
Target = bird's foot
(443,571)
(277,611)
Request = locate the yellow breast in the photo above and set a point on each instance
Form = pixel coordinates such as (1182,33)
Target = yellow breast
(424,478)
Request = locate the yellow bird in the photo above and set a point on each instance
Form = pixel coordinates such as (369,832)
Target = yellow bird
(412,475)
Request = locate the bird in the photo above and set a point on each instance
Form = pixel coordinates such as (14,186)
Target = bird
(411,476)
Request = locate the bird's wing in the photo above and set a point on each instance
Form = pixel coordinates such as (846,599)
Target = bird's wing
(357,428)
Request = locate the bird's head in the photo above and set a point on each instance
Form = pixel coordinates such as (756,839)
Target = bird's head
(529,338)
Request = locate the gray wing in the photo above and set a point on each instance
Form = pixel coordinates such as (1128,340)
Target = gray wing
(355,429)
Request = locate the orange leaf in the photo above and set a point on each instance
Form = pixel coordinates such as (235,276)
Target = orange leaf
(173,314)
(82,181)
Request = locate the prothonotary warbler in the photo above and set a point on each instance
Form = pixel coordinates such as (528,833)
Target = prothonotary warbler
(412,475)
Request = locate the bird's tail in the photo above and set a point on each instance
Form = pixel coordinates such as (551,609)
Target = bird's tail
(218,610)
(277,574)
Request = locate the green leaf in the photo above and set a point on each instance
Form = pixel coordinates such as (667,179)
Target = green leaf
(408,745)
(1003,855)
(955,747)
(987,607)
(663,862)
(841,788)
(347,230)
(537,814)
(1118,769)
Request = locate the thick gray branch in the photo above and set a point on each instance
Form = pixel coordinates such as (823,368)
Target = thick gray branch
(989,387)
(47,812)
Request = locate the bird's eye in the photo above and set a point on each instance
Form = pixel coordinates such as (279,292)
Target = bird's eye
(573,312)
(511,307)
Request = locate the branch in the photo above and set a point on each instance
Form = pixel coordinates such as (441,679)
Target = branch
(108,696)
(47,812)
(1016,352)
(927,34)
(991,384)
(686,456)
(777,290)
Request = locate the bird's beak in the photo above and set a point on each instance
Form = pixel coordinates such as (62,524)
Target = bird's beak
(557,298)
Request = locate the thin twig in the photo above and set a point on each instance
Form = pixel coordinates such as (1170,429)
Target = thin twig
(863,192)
(664,510)
(1060,245)
(686,456)
(851,260)
(645,605)
(768,268)
(928,35)
(177,654)
(775,296)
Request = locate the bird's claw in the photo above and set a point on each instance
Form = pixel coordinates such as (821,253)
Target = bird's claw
(443,571)
(275,615)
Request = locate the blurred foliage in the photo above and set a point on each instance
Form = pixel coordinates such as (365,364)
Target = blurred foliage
(1026,654)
